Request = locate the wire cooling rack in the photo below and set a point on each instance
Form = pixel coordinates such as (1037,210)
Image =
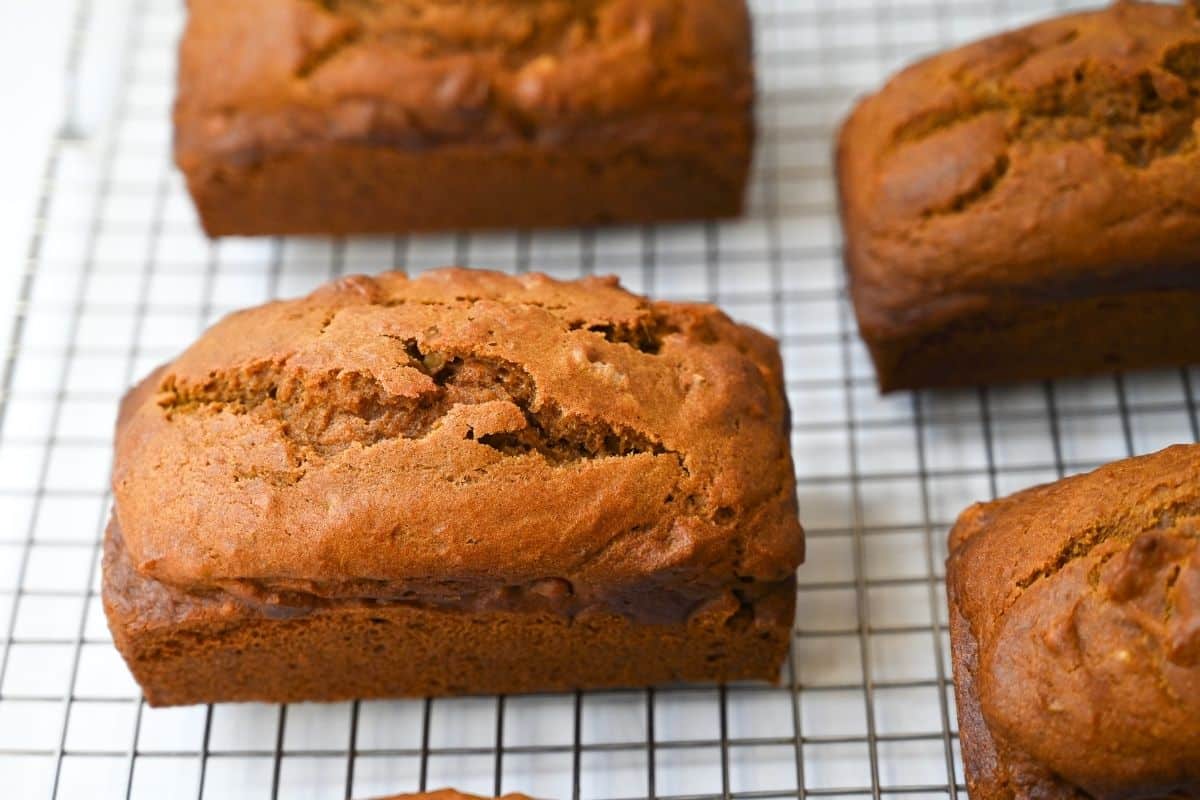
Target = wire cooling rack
(119,278)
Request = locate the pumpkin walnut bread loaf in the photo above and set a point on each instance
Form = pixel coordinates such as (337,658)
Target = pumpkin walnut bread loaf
(343,116)
(461,483)
(1029,206)
(1075,629)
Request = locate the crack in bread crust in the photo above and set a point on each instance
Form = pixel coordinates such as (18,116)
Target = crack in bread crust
(325,413)
(521,30)
(1143,120)
(1122,530)
(413,73)
(462,426)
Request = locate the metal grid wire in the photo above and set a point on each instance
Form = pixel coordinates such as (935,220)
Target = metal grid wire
(119,278)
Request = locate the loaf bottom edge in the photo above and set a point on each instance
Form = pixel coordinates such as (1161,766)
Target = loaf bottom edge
(1043,341)
(347,189)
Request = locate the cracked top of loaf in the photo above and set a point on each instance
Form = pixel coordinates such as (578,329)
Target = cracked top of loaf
(1083,601)
(1059,159)
(391,437)
(276,74)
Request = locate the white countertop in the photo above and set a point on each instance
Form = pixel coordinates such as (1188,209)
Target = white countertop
(33,46)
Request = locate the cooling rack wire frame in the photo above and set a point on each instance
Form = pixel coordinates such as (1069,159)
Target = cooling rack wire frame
(119,278)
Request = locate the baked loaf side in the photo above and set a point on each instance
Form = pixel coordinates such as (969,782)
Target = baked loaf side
(1075,629)
(465,444)
(1026,206)
(215,646)
(462,113)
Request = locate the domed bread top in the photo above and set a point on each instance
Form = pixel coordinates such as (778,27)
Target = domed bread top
(432,435)
(414,74)
(1078,632)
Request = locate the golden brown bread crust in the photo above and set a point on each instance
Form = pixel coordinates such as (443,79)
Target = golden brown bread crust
(463,443)
(217,647)
(399,430)
(421,73)
(1075,630)
(1008,194)
(290,109)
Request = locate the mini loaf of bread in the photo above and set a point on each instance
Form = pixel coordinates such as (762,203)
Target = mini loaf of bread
(462,483)
(1075,629)
(1029,206)
(297,116)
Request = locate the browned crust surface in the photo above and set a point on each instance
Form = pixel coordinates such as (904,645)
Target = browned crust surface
(279,73)
(392,106)
(460,433)
(185,648)
(1048,164)
(994,770)
(534,484)
(1075,630)
(1016,340)
(353,188)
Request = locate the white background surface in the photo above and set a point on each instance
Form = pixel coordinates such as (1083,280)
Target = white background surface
(33,43)
(123,279)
